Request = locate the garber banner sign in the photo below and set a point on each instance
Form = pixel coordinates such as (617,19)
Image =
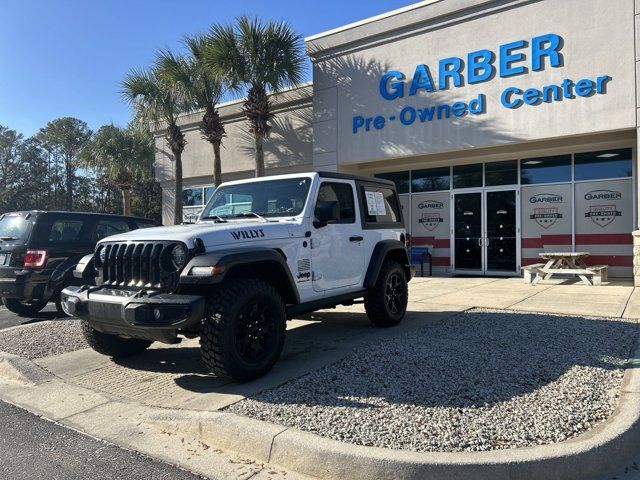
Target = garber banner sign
(512,59)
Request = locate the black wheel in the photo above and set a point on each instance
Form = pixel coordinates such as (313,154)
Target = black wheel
(113,345)
(386,302)
(24,308)
(243,329)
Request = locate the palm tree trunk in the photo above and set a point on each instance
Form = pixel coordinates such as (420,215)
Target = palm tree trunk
(177,205)
(259,155)
(217,165)
(126,202)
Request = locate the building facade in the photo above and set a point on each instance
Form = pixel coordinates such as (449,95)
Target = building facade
(510,127)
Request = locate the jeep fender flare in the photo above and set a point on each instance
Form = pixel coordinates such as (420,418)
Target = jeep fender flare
(243,259)
(381,251)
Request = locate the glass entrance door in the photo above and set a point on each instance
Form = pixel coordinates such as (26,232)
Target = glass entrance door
(500,239)
(485,232)
(468,255)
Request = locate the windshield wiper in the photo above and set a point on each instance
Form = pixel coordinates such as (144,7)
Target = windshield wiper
(217,218)
(253,214)
(8,238)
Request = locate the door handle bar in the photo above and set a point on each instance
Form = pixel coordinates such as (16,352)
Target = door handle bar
(356,238)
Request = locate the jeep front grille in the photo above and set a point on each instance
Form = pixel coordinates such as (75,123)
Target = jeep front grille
(137,265)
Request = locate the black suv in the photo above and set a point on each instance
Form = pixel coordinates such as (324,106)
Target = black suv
(39,250)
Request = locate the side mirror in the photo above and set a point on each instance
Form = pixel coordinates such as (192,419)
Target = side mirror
(326,212)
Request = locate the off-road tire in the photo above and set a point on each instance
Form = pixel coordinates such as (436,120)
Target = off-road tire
(223,321)
(113,345)
(381,309)
(22,308)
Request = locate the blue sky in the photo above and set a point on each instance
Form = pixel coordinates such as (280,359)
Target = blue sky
(66,57)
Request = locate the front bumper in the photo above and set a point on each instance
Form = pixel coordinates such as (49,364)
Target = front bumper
(139,314)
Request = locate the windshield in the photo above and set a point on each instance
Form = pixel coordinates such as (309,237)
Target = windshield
(13,226)
(268,198)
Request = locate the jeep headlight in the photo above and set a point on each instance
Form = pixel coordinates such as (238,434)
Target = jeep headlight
(102,254)
(179,256)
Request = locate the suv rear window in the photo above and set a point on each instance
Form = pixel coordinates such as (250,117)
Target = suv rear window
(106,228)
(65,231)
(13,226)
(141,224)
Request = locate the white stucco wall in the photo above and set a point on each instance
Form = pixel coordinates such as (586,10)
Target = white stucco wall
(598,40)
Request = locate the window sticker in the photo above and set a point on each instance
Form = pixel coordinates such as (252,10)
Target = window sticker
(380,206)
(375,203)
(371,202)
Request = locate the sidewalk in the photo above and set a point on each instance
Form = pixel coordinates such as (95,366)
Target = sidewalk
(616,298)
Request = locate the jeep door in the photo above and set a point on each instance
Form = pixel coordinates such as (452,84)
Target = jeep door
(337,245)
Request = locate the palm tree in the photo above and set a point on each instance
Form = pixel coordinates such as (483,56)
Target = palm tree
(121,155)
(158,100)
(203,89)
(256,57)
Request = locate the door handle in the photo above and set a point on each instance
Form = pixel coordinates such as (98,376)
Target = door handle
(356,238)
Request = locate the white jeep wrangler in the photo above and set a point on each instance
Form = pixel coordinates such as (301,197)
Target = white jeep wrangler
(263,250)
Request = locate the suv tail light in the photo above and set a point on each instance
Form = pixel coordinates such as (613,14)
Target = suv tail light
(35,259)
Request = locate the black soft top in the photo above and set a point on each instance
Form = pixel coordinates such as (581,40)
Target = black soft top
(360,178)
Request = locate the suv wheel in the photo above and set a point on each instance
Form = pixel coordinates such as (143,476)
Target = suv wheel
(113,345)
(243,329)
(24,308)
(386,302)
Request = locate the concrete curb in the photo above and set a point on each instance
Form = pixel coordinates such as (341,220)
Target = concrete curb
(20,369)
(588,456)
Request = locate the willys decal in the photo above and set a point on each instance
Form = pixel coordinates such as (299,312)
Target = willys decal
(248,234)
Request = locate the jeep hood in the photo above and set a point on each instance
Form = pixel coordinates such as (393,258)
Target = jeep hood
(233,232)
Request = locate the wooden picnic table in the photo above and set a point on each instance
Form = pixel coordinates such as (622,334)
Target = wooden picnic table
(566,263)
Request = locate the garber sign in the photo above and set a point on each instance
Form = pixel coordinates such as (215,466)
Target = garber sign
(512,59)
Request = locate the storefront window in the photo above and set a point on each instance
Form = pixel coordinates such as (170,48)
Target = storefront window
(430,180)
(545,170)
(208,191)
(192,197)
(501,173)
(467,176)
(401,179)
(603,164)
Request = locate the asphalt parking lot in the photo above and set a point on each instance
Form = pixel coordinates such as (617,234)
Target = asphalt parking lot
(10,319)
(32,447)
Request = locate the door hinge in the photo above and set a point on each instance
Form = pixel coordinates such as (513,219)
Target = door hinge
(315,276)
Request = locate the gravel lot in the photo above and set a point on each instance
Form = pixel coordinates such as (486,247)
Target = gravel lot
(40,340)
(484,380)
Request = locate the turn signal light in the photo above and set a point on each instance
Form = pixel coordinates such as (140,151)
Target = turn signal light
(207,271)
(35,259)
